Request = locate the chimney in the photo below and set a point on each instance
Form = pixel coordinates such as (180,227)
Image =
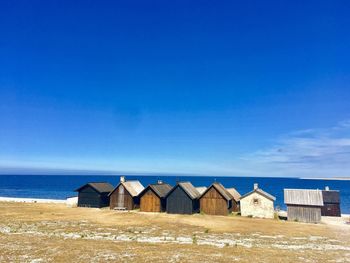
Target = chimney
(256,186)
(327,188)
(122,179)
(160,182)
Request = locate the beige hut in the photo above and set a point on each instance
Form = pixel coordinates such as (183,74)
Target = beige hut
(257,203)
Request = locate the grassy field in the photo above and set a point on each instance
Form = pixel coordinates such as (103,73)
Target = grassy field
(56,233)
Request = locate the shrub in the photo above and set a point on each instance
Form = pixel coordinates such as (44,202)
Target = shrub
(194,239)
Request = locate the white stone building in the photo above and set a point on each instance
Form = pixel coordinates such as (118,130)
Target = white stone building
(257,203)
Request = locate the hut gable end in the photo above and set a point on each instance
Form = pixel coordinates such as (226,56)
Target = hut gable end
(182,199)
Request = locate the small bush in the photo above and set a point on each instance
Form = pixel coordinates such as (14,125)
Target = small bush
(194,239)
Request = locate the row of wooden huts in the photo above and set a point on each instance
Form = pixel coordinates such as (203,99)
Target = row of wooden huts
(304,205)
(309,205)
(183,198)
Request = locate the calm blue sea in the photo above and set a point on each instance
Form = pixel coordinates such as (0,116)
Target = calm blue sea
(61,187)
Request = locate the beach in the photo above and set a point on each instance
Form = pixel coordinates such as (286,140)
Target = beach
(104,235)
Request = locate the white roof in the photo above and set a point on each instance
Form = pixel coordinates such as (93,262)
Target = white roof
(201,189)
(133,187)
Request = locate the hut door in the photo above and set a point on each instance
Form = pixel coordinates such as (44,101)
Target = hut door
(121,196)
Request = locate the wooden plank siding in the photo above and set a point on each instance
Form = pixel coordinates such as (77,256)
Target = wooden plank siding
(213,203)
(150,202)
(307,214)
(88,197)
(178,202)
(331,210)
(121,198)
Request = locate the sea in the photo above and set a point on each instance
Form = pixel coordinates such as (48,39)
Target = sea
(63,186)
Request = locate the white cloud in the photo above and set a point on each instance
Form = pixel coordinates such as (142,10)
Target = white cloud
(307,153)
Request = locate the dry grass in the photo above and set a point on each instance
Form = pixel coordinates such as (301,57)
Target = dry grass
(55,233)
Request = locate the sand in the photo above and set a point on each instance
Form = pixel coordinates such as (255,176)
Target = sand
(103,235)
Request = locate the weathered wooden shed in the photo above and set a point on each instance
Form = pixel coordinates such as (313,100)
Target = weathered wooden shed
(303,205)
(216,200)
(152,198)
(257,203)
(236,197)
(331,203)
(94,194)
(126,195)
(182,199)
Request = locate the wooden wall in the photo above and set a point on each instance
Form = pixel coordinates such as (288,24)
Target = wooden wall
(88,197)
(178,202)
(212,203)
(307,214)
(150,202)
(121,198)
(331,210)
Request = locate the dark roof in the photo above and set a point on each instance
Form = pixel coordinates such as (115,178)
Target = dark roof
(331,196)
(161,190)
(189,189)
(303,197)
(100,187)
(221,189)
(261,192)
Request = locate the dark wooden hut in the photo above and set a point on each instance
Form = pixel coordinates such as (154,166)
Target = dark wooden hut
(126,195)
(94,195)
(152,198)
(303,205)
(331,203)
(182,199)
(235,201)
(216,200)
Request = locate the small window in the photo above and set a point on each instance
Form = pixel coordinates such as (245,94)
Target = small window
(255,201)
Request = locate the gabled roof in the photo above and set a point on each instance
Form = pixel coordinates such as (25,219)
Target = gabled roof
(161,190)
(234,193)
(221,189)
(189,189)
(331,196)
(303,197)
(261,192)
(201,189)
(133,187)
(100,187)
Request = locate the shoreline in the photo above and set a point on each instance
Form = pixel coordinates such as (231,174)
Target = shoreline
(326,179)
(32,200)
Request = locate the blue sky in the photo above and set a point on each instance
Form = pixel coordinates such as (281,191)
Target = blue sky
(215,88)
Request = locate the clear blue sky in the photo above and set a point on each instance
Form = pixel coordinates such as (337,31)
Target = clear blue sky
(207,87)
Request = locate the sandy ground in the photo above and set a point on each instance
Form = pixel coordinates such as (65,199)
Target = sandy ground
(38,232)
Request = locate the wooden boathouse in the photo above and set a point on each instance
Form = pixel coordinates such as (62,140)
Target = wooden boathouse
(303,205)
(126,195)
(216,200)
(152,198)
(183,198)
(94,194)
(331,203)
